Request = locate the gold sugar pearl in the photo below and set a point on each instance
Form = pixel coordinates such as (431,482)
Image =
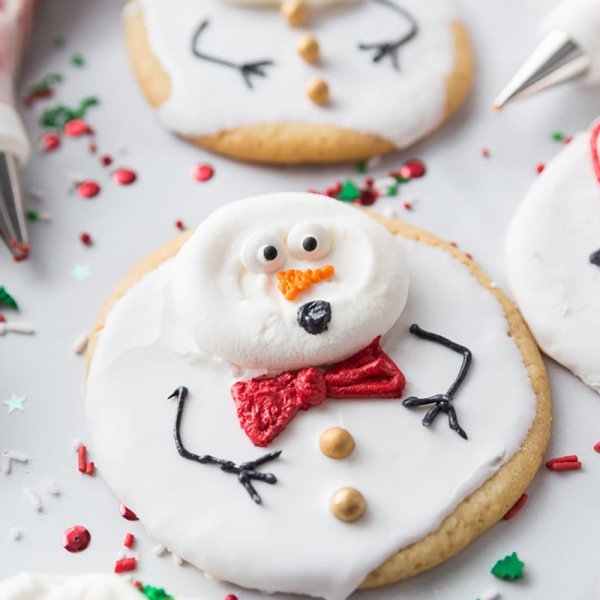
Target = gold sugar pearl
(348,505)
(336,442)
(295,12)
(308,48)
(318,91)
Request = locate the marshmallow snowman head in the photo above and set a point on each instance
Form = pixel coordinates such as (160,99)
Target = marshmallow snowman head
(287,281)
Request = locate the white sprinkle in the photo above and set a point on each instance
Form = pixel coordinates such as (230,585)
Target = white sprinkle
(33,500)
(16,328)
(5,464)
(18,456)
(120,556)
(389,212)
(158,550)
(44,217)
(80,346)
(15,534)
(35,194)
(178,561)
(384,184)
(50,487)
(493,285)
(491,594)
(373,162)
(562,310)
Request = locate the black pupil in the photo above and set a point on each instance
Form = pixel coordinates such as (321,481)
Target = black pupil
(309,244)
(270,253)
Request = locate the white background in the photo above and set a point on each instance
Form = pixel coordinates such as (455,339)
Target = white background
(464,197)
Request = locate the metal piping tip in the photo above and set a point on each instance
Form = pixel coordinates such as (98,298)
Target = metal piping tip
(557,58)
(12,216)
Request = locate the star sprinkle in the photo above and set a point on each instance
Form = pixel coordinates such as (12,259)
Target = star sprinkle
(509,568)
(80,272)
(15,403)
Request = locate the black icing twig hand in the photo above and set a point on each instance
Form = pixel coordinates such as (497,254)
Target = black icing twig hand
(390,48)
(246,69)
(245,472)
(442,402)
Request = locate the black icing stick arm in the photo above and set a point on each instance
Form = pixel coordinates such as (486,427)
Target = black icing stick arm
(246,472)
(390,48)
(442,402)
(246,69)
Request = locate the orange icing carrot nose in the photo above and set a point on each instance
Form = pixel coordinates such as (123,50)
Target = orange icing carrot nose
(293,281)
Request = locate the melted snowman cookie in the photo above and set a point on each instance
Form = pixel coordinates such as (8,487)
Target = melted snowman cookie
(294,362)
(553,257)
(315,81)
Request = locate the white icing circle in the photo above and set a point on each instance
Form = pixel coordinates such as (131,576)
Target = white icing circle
(28,586)
(241,316)
(551,238)
(412,477)
(401,105)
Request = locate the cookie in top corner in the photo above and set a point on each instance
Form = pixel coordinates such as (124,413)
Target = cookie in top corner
(300,80)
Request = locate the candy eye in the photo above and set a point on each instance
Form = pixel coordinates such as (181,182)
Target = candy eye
(309,241)
(263,253)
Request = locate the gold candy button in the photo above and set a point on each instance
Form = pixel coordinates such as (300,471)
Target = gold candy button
(336,442)
(348,505)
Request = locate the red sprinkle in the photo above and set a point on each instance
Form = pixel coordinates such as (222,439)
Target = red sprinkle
(2,318)
(485,153)
(89,468)
(562,459)
(88,189)
(127,514)
(81,458)
(124,176)
(76,128)
(564,466)
(85,238)
(367,197)
(231,597)
(202,172)
(180,225)
(76,538)
(539,168)
(106,160)
(30,99)
(596,445)
(568,139)
(136,584)
(92,147)
(128,541)
(125,564)
(408,205)
(49,142)
(413,169)
(519,504)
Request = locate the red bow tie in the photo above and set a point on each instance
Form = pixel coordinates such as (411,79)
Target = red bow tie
(266,406)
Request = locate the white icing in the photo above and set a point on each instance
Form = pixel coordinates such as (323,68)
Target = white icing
(549,243)
(27,586)
(400,105)
(212,286)
(411,476)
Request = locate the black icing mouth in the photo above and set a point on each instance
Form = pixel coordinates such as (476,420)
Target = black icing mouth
(314,316)
(595,257)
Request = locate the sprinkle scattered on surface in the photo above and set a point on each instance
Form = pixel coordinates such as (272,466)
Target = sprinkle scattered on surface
(80,272)
(85,239)
(32,499)
(518,505)
(557,136)
(177,559)
(126,513)
(33,216)
(128,541)
(88,189)
(597,446)
(7,300)
(57,116)
(22,328)
(202,172)
(80,345)
(539,168)
(15,534)
(124,176)
(49,142)
(77,60)
(76,128)
(491,594)
(158,550)
(50,487)
(485,153)
(106,160)
(15,402)
(509,568)
(76,538)
(180,225)
(564,463)
(125,565)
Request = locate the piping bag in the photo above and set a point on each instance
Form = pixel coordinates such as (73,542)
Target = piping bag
(569,48)
(16,18)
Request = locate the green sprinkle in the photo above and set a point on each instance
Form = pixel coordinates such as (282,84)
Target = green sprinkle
(77,60)
(361,168)
(45,84)
(31,215)
(349,191)
(392,190)
(59,42)
(557,136)
(57,116)
(401,179)
(154,593)
(7,299)
(509,568)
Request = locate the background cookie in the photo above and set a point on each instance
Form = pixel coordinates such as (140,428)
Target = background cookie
(478,510)
(233,78)
(553,257)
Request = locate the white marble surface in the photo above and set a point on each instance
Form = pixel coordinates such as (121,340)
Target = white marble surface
(464,198)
